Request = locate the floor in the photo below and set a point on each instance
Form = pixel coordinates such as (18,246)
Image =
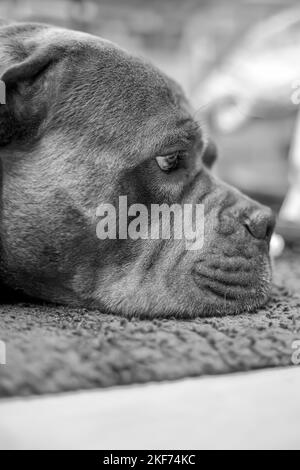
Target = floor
(259,410)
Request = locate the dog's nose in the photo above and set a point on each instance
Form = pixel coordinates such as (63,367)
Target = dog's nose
(261,223)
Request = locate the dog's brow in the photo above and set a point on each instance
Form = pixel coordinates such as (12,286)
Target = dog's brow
(185,133)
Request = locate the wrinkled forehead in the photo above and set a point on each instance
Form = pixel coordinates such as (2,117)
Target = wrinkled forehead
(119,95)
(121,82)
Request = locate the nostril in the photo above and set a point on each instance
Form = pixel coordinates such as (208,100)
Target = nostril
(247,225)
(261,225)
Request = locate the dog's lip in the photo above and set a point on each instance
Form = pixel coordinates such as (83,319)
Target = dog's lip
(229,277)
(230,286)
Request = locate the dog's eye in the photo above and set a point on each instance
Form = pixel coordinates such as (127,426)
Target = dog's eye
(168,162)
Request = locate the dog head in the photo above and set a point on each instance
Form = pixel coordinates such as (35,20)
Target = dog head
(85,123)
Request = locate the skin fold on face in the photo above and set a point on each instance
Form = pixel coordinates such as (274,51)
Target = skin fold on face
(95,123)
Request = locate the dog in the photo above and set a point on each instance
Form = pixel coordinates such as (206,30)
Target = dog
(84,123)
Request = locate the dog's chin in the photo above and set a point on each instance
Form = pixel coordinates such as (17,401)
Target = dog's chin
(232,290)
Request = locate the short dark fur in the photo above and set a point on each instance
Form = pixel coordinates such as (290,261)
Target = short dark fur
(82,125)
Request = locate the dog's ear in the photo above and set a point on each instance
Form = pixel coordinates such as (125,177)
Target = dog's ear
(25,84)
(210,155)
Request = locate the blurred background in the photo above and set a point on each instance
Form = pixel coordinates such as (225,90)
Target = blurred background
(238,62)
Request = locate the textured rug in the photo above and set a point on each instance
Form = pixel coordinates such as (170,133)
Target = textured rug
(56,349)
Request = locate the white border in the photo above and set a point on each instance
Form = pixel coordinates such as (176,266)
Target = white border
(257,410)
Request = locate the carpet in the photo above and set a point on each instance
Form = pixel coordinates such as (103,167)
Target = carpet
(54,349)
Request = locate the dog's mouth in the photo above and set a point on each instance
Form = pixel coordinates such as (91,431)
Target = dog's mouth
(230,283)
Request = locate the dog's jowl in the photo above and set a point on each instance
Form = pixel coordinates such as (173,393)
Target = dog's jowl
(85,123)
